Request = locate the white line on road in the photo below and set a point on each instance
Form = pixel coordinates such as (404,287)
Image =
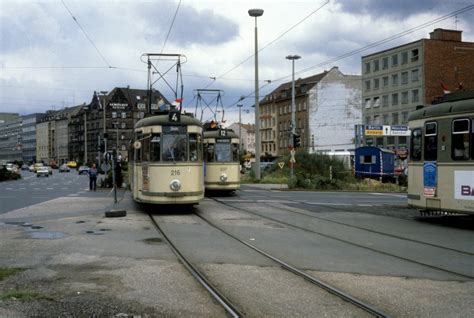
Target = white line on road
(327,203)
(365,205)
(390,195)
(8,189)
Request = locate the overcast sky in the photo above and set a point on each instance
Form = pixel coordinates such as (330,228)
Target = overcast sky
(47,61)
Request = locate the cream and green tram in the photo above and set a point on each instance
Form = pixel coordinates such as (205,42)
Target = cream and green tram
(221,156)
(167,165)
(441,164)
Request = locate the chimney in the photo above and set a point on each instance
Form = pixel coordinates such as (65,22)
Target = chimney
(446,35)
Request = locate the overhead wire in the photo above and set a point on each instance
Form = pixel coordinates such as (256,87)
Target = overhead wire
(87,36)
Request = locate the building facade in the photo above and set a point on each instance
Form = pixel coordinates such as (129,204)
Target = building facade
(325,103)
(396,80)
(123,108)
(28,138)
(10,139)
(247,139)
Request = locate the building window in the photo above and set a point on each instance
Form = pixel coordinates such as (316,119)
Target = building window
(395,99)
(404,58)
(390,141)
(367,103)
(394,60)
(404,97)
(404,78)
(124,115)
(377,119)
(395,80)
(367,120)
(367,68)
(414,55)
(385,63)
(385,119)
(405,117)
(376,83)
(114,114)
(376,65)
(415,96)
(394,118)
(385,101)
(414,75)
(385,81)
(367,85)
(376,101)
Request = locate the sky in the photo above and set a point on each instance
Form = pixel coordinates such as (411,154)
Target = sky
(55,54)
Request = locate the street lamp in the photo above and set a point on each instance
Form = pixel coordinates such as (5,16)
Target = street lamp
(292,58)
(103,94)
(256,13)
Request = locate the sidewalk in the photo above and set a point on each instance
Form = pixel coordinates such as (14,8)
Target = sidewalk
(76,262)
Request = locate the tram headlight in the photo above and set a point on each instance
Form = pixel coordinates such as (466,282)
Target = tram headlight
(175,185)
(223,177)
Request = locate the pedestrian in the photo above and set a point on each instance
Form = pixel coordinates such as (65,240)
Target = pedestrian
(93,178)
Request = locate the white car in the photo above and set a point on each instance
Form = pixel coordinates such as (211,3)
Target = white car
(42,171)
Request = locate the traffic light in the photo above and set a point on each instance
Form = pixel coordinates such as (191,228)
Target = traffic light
(296,141)
(102,147)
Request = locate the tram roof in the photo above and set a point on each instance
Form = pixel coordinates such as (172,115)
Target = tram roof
(216,134)
(160,120)
(444,109)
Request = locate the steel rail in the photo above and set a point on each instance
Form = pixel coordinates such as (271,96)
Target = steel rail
(344,296)
(215,293)
(346,241)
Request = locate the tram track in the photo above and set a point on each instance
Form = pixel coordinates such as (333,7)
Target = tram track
(461,275)
(227,304)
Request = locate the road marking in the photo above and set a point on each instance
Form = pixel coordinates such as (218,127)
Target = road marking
(36,189)
(326,203)
(40,197)
(73,195)
(390,195)
(49,189)
(22,188)
(8,189)
(365,205)
(29,177)
(274,201)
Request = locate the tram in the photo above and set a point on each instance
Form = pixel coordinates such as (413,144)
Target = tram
(221,156)
(441,162)
(166,165)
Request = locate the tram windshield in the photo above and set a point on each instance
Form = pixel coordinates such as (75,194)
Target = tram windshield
(174,147)
(222,151)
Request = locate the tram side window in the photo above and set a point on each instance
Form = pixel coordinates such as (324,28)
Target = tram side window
(155,148)
(146,148)
(138,152)
(235,152)
(174,147)
(415,145)
(431,141)
(194,147)
(460,139)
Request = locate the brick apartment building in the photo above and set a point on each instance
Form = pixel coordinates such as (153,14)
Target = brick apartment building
(396,80)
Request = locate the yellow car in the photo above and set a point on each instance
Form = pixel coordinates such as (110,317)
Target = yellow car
(72,164)
(38,165)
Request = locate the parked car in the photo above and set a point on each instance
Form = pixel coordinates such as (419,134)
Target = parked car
(50,169)
(38,165)
(83,169)
(24,167)
(32,168)
(42,172)
(64,168)
(12,168)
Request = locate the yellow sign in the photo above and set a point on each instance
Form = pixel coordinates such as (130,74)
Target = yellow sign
(373,132)
(281,164)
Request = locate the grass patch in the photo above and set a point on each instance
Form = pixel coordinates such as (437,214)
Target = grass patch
(23,296)
(5,272)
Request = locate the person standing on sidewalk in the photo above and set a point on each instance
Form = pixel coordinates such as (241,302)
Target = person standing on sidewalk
(93,178)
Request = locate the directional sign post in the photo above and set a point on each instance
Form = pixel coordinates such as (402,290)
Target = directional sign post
(281,164)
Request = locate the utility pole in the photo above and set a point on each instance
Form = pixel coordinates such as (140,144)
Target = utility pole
(85,136)
(104,111)
(240,126)
(292,58)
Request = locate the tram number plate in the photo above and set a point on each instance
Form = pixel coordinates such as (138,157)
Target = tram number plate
(175,172)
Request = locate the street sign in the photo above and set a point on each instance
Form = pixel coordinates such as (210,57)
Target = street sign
(292,159)
(373,130)
(399,130)
(105,166)
(281,164)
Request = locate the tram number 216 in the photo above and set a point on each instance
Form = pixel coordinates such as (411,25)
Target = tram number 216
(175,172)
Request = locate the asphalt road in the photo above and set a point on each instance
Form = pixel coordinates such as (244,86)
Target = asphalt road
(31,190)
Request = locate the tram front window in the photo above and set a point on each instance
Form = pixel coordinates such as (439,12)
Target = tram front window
(155,148)
(223,152)
(174,147)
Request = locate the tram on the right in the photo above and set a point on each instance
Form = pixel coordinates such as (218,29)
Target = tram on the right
(221,159)
(441,161)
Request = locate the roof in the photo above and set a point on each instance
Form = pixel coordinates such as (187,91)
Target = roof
(450,107)
(216,134)
(310,81)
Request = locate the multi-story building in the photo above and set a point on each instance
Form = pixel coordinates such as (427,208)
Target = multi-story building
(327,107)
(10,139)
(52,135)
(4,117)
(28,136)
(123,108)
(396,80)
(247,139)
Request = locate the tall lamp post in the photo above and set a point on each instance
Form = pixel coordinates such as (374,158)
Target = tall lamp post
(256,13)
(103,94)
(292,58)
